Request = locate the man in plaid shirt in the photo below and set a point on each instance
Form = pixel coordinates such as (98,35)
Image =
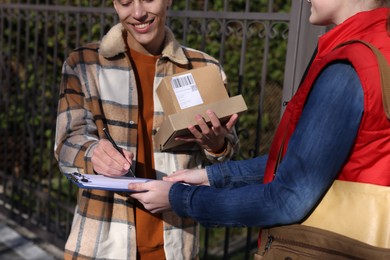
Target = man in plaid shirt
(111,84)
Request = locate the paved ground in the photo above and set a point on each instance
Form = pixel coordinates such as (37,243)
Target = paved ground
(17,243)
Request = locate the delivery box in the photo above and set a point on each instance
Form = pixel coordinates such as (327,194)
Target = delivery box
(187,94)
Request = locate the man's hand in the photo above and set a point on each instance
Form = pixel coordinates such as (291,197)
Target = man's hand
(194,177)
(108,161)
(152,194)
(210,138)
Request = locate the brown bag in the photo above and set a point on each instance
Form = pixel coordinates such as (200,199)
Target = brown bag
(352,221)
(357,210)
(301,242)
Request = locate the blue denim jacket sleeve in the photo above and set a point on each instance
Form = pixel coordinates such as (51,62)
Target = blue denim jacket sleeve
(235,173)
(316,152)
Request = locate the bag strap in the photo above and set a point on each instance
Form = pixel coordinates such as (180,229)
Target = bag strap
(384,70)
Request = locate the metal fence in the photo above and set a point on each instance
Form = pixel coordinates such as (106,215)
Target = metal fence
(254,40)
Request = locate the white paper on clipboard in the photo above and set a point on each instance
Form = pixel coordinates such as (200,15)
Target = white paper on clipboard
(101,182)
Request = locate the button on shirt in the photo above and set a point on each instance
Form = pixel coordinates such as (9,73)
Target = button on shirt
(316,152)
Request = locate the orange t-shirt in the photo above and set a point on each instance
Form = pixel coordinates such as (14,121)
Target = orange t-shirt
(149,227)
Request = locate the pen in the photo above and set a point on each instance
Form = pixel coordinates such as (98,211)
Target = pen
(116,147)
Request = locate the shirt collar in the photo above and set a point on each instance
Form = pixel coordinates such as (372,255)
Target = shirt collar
(113,44)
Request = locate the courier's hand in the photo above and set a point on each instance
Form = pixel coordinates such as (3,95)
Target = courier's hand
(210,138)
(108,161)
(152,194)
(194,177)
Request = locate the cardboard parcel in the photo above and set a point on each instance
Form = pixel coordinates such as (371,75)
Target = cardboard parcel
(186,94)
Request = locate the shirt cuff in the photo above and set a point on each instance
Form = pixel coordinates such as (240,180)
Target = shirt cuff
(222,156)
(216,174)
(88,168)
(179,198)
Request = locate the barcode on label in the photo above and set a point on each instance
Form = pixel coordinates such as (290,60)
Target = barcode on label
(186,92)
(186,80)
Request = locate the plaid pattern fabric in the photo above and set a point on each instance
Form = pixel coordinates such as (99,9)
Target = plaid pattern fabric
(98,89)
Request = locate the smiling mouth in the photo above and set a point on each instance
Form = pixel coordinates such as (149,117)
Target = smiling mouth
(143,25)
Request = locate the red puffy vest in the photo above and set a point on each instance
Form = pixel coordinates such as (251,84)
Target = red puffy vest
(369,160)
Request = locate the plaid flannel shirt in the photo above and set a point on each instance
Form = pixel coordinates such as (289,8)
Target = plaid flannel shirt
(98,89)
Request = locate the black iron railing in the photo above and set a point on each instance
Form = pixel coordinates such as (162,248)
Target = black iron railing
(248,37)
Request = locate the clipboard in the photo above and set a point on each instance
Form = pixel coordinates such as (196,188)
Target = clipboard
(101,182)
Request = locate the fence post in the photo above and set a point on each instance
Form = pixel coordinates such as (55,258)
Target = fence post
(302,40)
